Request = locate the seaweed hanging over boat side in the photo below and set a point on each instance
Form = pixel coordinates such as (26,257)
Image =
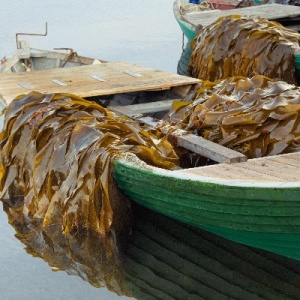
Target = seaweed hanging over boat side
(244,46)
(257,117)
(56,152)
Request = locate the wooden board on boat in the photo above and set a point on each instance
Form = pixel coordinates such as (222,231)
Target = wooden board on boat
(284,167)
(91,80)
(268,11)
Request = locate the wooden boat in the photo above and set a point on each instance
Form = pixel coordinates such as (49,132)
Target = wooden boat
(245,201)
(191,16)
(254,202)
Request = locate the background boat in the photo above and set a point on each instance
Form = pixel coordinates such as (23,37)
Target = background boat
(191,17)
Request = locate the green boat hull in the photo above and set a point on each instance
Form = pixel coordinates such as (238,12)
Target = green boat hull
(264,217)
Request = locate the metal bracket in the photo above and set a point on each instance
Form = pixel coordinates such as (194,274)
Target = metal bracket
(35,34)
(70,56)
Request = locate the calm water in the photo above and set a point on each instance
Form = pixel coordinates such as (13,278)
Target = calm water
(137,31)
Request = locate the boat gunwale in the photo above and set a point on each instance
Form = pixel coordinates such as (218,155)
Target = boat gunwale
(134,162)
(187,27)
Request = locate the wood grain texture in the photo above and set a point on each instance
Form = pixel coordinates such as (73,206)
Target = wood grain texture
(118,78)
(273,168)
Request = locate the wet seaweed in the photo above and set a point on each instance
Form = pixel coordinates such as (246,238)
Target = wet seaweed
(244,46)
(56,153)
(255,116)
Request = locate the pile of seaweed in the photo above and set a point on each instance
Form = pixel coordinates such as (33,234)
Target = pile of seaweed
(56,153)
(255,116)
(244,46)
(247,100)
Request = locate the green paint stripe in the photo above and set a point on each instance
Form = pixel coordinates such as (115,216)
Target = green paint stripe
(203,202)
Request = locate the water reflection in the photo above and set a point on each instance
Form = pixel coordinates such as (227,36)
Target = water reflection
(164,259)
(81,255)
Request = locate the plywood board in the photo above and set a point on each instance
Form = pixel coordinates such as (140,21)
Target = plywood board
(92,80)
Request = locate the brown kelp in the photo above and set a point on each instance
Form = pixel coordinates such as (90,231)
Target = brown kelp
(56,151)
(257,117)
(244,46)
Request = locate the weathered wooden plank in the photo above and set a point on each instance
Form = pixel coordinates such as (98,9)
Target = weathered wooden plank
(290,158)
(209,149)
(230,172)
(81,80)
(183,139)
(283,167)
(268,11)
(272,168)
(9,64)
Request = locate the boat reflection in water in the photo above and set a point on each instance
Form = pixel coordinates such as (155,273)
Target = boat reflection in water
(163,259)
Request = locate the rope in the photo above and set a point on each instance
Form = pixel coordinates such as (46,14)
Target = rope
(190,7)
(182,46)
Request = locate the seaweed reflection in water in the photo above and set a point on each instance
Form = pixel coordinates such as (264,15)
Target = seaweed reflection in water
(56,182)
(164,259)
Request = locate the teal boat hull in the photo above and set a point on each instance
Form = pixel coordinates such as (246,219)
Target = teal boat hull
(188,31)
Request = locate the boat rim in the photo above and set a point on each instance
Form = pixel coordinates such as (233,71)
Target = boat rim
(133,161)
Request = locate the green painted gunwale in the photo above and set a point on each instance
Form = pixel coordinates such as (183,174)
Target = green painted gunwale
(264,216)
